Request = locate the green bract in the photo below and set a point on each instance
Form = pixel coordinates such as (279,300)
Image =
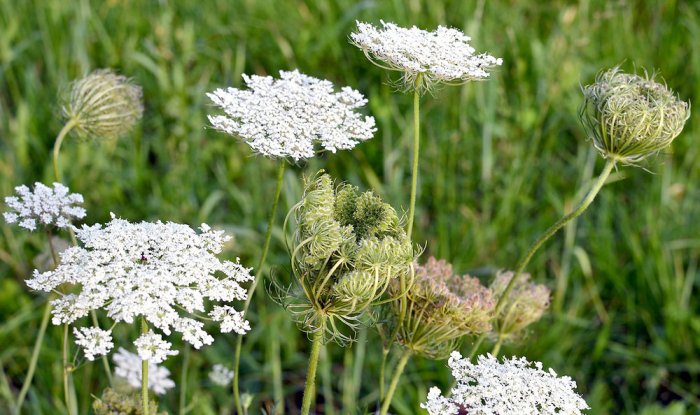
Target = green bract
(348,248)
(630,117)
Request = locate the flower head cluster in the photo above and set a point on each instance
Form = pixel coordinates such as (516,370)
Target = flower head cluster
(286,117)
(103,104)
(119,402)
(425,58)
(513,386)
(162,272)
(93,340)
(630,117)
(442,308)
(128,367)
(348,248)
(44,206)
(525,304)
(221,375)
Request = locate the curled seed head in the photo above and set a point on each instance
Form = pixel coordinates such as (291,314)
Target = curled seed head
(629,117)
(103,104)
(525,304)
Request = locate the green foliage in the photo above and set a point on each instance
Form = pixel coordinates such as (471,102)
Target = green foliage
(498,164)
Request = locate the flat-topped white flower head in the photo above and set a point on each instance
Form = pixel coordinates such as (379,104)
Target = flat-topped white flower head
(128,367)
(93,340)
(292,116)
(44,206)
(513,386)
(163,272)
(221,375)
(425,58)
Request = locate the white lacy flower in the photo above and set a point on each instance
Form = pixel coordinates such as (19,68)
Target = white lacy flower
(151,346)
(513,386)
(286,117)
(221,375)
(94,341)
(44,206)
(231,320)
(163,272)
(444,55)
(128,367)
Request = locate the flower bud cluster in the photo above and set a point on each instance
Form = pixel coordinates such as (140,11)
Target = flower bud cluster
(441,308)
(525,304)
(348,248)
(629,117)
(103,104)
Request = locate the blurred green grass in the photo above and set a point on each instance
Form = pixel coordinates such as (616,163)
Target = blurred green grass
(501,161)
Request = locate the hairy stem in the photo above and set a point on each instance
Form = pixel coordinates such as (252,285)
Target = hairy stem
(266,246)
(66,371)
(582,206)
(144,373)
(416,150)
(183,380)
(57,147)
(309,388)
(395,381)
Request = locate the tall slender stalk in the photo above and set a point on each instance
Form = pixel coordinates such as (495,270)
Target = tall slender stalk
(144,373)
(395,381)
(416,151)
(35,357)
(183,380)
(66,371)
(590,196)
(266,246)
(309,388)
(57,147)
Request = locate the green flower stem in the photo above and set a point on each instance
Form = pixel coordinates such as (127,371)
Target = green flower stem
(382,372)
(66,372)
(183,380)
(416,150)
(395,381)
(144,373)
(35,357)
(497,346)
(595,188)
(309,388)
(105,362)
(266,246)
(57,146)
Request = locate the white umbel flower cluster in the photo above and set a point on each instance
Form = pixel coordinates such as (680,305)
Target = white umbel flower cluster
(221,375)
(151,346)
(93,340)
(513,386)
(128,367)
(286,117)
(162,272)
(44,206)
(441,56)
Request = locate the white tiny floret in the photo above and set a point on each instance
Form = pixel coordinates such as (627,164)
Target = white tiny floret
(94,341)
(128,367)
(164,272)
(221,375)
(151,346)
(44,206)
(513,386)
(287,117)
(231,320)
(443,55)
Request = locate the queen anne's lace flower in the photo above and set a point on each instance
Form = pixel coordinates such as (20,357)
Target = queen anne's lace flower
(128,367)
(514,386)
(231,320)
(285,117)
(162,272)
(94,341)
(444,55)
(44,206)
(221,375)
(151,346)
